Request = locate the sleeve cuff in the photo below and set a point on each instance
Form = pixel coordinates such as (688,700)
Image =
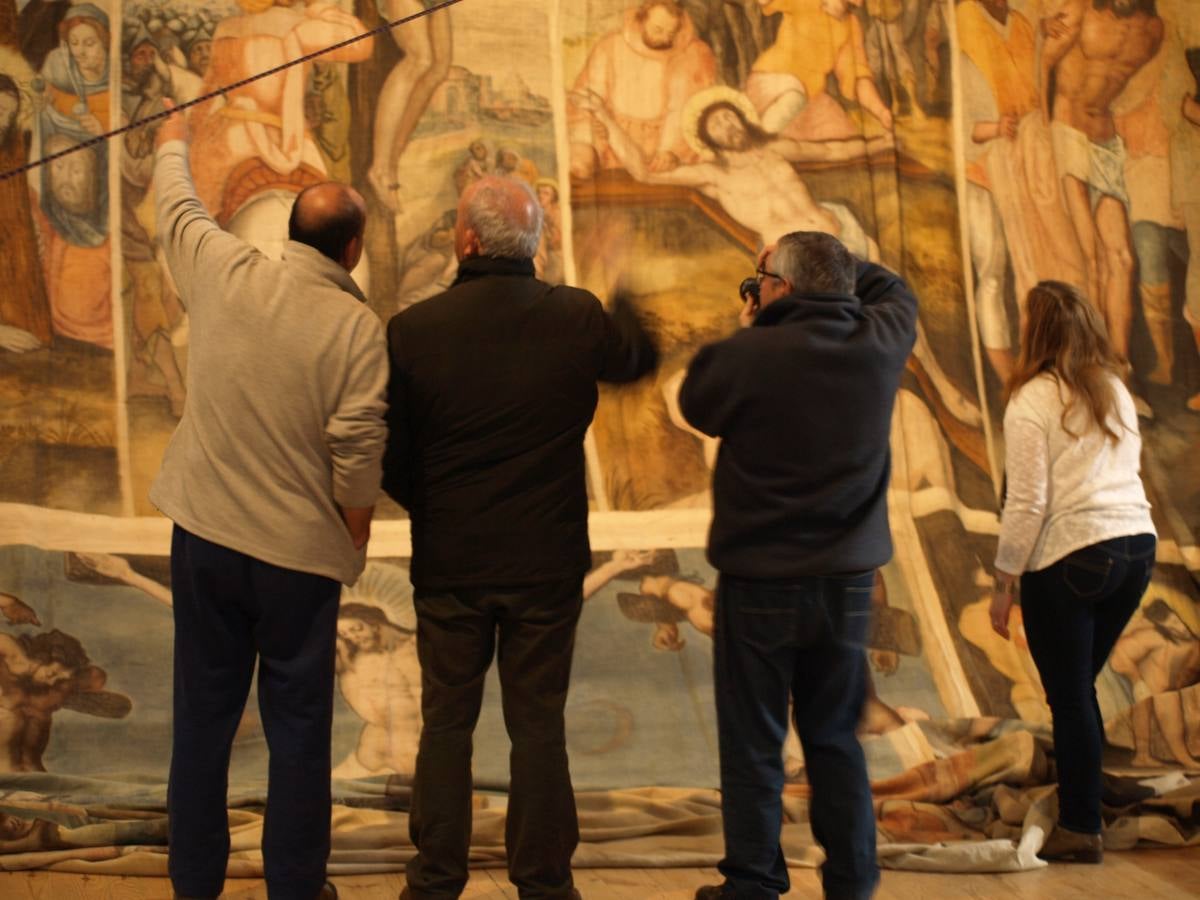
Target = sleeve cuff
(176,146)
(358,492)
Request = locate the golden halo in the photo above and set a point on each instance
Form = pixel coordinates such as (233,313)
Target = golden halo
(694,111)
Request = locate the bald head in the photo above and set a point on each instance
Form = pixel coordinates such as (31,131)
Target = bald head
(330,218)
(498,217)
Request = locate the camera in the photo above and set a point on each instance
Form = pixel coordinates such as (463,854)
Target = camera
(749,290)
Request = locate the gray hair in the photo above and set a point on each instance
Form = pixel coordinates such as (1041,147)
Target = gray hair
(814,262)
(504,228)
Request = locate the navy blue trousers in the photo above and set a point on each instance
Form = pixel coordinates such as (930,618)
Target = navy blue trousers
(231,609)
(802,640)
(1074,610)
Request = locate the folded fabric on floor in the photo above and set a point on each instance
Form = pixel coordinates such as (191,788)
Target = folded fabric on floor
(981,800)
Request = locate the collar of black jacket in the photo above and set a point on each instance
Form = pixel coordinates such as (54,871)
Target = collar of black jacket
(483,266)
(807,306)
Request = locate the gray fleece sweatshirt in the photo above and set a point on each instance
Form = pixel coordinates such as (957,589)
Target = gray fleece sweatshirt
(287,377)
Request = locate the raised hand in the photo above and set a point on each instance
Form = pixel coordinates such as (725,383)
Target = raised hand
(173,128)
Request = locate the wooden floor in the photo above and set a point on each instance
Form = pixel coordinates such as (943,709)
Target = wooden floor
(1141,875)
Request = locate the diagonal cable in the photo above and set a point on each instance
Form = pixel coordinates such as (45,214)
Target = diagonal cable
(221,91)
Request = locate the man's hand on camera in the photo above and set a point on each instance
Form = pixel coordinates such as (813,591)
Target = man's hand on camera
(749,311)
(752,302)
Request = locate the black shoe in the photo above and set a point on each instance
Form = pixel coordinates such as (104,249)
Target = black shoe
(715,892)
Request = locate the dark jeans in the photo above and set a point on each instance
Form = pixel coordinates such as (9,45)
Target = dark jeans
(532,633)
(230,608)
(1074,611)
(804,640)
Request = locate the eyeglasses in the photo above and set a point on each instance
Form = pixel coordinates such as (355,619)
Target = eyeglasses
(760,274)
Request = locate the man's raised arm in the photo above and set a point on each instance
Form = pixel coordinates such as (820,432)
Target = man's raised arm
(629,352)
(889,303)
(191,240)
(1060,31)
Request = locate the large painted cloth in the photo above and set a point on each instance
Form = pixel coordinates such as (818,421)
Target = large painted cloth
(666,143)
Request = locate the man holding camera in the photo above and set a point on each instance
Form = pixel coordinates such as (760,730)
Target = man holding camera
(802,402)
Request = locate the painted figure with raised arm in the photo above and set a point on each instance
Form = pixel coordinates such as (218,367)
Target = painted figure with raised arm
(380,677)
(427,48)
(1092,49)
(256,139)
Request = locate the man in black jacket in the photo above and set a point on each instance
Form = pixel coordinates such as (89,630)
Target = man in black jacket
(493,385)
(802,402)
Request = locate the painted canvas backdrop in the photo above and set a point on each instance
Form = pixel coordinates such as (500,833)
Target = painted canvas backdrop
(920,131)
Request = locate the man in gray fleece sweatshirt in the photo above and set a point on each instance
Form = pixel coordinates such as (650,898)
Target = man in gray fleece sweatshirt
(271,479)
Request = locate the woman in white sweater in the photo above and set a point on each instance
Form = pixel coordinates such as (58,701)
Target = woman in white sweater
(1076,531)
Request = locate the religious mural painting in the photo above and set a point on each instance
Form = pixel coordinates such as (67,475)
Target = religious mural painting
(680,165)
(67,627)
(378,673)
(1151,697)
(66,664)
(253,149)
(58,415)
(667,143)
(166,49)
(445,113)
(1088,180)
(1082,179)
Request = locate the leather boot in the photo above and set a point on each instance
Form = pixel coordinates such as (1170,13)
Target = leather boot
(1072,846)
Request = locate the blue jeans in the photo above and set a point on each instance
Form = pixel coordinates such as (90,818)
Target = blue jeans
(804,640)
(1074,611)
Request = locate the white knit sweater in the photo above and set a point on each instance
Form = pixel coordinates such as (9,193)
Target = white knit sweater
(287,380)
(1066,492)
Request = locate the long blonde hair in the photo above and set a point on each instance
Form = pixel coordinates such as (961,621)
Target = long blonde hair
(1065,336)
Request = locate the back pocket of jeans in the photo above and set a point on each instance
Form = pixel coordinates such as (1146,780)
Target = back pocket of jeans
(768,630)
(1086,572)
